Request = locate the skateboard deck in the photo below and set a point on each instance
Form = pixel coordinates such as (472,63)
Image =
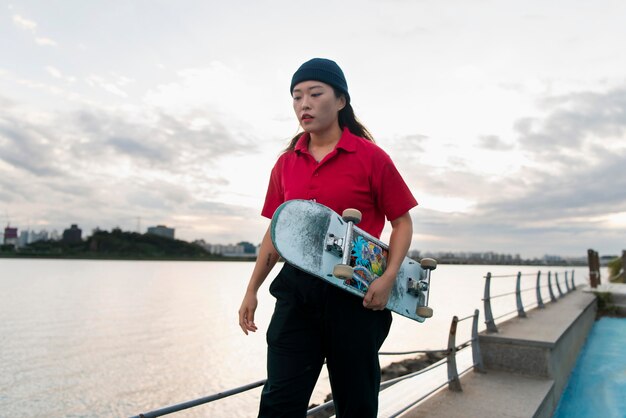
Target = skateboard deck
(315,239)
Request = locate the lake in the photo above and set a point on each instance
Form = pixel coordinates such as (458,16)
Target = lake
(85,338)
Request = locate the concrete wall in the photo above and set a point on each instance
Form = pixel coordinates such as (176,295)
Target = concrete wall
(544,345)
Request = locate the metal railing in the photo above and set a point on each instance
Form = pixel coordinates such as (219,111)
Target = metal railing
(450,351)
(453,382)
(453,375)
(490,319)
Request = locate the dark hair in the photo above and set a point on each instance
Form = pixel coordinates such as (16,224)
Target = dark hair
(347,119)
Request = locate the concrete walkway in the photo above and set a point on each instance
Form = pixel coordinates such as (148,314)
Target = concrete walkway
(492,394)
(527,365)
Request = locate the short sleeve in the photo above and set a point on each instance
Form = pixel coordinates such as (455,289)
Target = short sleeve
(275,195)
(391,192)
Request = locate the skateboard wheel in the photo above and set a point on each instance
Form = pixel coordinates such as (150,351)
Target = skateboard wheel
(343,271)
(428,263)
(352,215)
(424,311)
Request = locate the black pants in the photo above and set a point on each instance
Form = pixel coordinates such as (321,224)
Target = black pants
(314,321)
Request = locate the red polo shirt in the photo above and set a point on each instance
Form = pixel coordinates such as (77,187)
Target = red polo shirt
(356,174)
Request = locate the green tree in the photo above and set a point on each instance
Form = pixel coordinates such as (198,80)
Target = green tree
(615,267)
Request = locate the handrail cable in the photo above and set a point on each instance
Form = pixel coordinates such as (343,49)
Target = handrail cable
(449,360)
(503,315)
(395,380)
(399,353)
(466,318)
(508,275)
(190,404)
(386,384)
(412,404)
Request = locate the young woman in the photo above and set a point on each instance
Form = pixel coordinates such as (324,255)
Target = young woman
(336,163)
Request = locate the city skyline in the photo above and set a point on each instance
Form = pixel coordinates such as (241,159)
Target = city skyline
(507,121)
(476,254)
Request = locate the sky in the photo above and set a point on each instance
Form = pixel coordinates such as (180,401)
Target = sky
(506,119)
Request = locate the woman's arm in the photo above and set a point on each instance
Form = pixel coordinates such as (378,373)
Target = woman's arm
(265,261)
(399,243)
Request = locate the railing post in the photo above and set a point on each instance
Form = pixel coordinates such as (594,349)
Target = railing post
(477,357)
(454,384)
(491,325)
(558,287)
(567,289)
(552,297)
(594,268)
(573,284)
(518,296)
(540,304)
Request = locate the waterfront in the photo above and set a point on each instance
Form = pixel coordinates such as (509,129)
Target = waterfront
(596,385)
(115,338)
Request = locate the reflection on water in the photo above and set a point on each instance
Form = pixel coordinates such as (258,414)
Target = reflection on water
(116,338)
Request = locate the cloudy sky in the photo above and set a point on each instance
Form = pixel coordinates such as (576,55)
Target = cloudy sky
(507,119)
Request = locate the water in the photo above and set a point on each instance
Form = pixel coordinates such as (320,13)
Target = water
(597,383)
(116,338)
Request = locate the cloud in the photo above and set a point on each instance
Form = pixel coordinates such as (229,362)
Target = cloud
(24,23)
(494,142)
(45,41)
(563,195)
(114,87)
(244,101)
(57,74)
(153,139)
(585,191)
(24,148)
(54,72)
(135,148)
(31,26)
(409,143)
(102,167)
(575,122)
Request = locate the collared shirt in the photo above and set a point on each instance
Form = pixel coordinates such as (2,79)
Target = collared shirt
(356,174)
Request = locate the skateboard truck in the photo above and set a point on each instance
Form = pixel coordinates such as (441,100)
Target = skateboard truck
(415,287)
(345,270)
(428,264)
(334,245)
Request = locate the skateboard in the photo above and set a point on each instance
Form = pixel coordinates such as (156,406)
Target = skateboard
(317,240)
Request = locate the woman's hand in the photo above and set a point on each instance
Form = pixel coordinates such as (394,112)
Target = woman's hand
(378,293)
(265,261)
(246,312)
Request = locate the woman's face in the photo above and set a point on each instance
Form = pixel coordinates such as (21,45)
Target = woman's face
(316,106)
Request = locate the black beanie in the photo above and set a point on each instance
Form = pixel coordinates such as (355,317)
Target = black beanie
(324,70)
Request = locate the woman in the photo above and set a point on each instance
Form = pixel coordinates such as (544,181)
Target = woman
(336,163)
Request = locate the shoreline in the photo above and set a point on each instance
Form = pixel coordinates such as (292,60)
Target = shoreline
(229,259)
(120,258)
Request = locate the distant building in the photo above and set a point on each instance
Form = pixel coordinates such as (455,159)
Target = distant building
(24,239)
(248,247)
(38,236)
(551,259)
(414,254)
(162,231)
(73,235)
(10,236)
(225,250)
(238,250)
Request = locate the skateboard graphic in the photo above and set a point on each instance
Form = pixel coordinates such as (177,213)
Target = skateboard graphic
(317,240)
